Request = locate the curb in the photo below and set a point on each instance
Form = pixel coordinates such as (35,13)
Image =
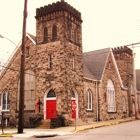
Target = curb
(98,126)
(5,135)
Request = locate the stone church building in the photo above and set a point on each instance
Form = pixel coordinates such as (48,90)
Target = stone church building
(58,73)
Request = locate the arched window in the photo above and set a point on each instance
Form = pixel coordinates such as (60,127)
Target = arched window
(51,94)
(111,96)
(29,94)
(89,100)
(123,104)
(5,100)
(54,33)
(75,36)
(72,94)
(45,35)
(69,33)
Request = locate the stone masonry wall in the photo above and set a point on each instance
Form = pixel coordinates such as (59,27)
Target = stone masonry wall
(110,73)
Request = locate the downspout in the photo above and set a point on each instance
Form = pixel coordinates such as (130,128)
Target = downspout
(96,90)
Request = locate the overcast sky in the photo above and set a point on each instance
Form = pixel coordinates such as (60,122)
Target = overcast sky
(106,23)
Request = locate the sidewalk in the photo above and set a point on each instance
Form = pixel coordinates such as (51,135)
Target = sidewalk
(61,130)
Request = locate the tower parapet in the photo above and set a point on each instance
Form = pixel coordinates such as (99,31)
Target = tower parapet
(56,7)
(122,49)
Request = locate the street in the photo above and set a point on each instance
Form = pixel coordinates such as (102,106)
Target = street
(123,131)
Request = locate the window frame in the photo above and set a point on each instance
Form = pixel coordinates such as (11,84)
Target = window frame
(73,62)
(54,32)
(49,61)
(89,100)
(132,90)
(29,101)
(7,100)
(111,99)
(27,51)
(123,104)
(45,35)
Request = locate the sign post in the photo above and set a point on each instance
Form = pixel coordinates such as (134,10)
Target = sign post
(74,106)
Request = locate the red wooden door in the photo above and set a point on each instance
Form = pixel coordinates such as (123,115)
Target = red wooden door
(73,111)
(51,109)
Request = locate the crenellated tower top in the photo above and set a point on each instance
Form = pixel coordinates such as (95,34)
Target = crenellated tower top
(123,49)
(56,7)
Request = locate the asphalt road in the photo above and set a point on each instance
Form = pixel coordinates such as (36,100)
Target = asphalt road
(123,131)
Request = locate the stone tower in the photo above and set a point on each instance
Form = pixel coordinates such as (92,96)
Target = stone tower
(59,56)
(125,61)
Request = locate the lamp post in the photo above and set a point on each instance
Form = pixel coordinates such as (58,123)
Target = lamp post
(7,39)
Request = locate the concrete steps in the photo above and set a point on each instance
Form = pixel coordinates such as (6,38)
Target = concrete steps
(45,124)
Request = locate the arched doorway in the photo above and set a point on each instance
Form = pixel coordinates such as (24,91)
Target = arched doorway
(50,105)
(74,99)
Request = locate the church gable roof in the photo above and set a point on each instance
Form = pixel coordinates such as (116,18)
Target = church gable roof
(95,61)
(31,37)
(87,74)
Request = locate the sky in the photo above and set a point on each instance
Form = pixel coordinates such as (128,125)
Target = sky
(106,23)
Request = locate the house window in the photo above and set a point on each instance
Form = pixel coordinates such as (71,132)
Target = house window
(5,100)
(123,104)
(73,62)
(132,90)
(89,100)
(49,61)
(29,96)
(54,33)
(27,51)
(111,97)
(45,35)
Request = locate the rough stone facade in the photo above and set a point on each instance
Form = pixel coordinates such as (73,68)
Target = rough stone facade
(66,72)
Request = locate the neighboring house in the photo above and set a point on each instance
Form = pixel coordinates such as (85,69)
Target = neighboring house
(138,86)
(58,73)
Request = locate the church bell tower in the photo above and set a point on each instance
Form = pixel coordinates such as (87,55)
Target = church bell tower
(59,48)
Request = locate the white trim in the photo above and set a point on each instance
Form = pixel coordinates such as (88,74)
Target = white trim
(116,68)
(111,98)
(30,38)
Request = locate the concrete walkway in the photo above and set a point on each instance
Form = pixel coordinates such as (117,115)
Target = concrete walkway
(61,130)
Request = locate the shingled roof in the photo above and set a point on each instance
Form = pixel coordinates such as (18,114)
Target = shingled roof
(87,74)
(95,62)
(138,79)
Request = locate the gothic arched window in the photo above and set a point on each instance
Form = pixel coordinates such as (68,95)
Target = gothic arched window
(69,33)
(45,35)
(111,96)
(5,100)
(54,33)
(89,100)
(123,104)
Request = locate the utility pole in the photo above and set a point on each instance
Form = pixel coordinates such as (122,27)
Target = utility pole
(22,74)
